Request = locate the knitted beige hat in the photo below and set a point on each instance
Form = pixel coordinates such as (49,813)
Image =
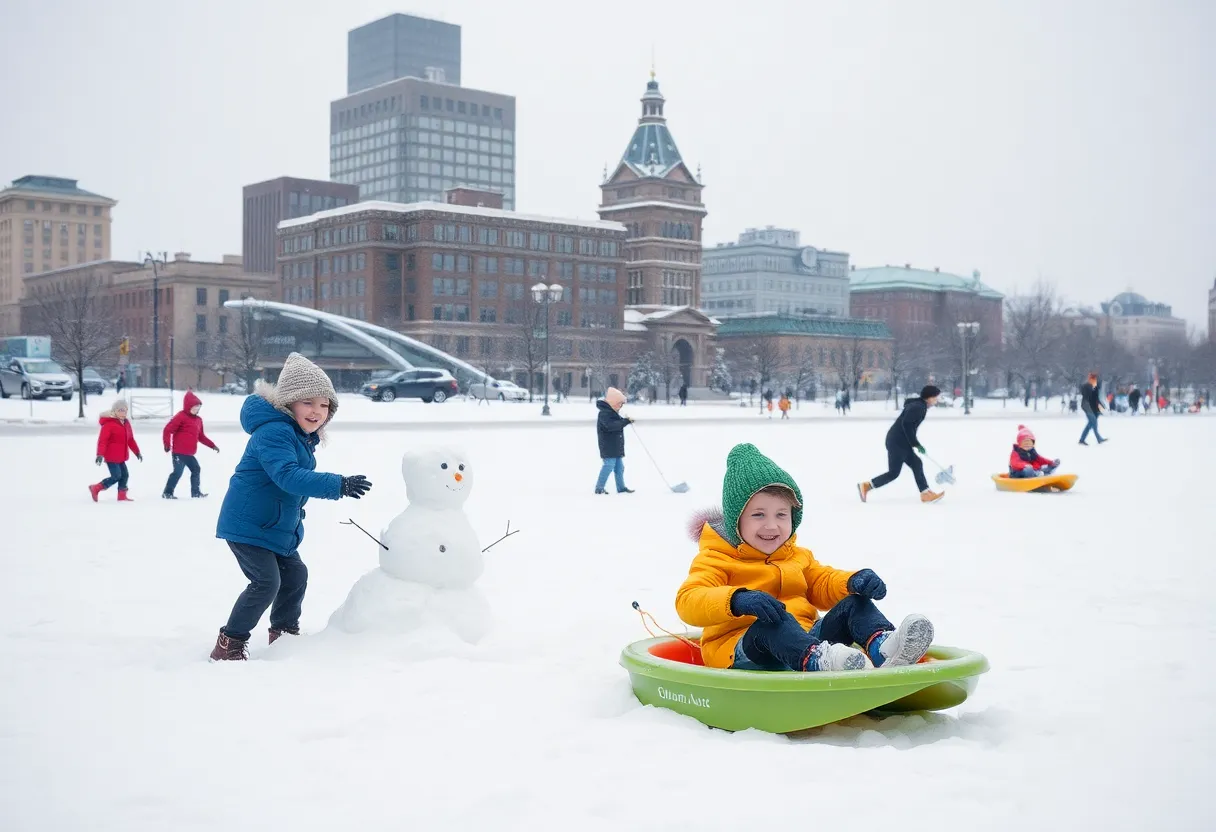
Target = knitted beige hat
(614,397)
(300,379)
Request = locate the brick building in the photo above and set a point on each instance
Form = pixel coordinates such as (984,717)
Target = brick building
(458,277)
(916,303)
(658,199)
(266,204)
(806,352)
(195,327)
(46,222)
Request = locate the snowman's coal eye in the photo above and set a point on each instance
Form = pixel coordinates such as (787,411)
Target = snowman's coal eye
(444,466)
(442,548)
(461,467)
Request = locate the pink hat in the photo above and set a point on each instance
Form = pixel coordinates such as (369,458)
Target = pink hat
(1024,433)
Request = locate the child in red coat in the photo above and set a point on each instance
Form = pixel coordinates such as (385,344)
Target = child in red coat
(181,437)
(1025,461)
(114,445)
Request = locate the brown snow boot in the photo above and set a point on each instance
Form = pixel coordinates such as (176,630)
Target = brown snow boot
(864,488)
(275,632)
(228,649)
(931,496)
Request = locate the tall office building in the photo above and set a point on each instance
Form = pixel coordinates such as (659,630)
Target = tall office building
(266,204)
(402,46)
(410,140)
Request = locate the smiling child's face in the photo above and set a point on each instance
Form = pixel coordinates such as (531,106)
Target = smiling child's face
(311,414)
(767,522)
(1027,444)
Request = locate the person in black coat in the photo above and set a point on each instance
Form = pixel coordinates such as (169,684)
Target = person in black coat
(610,430)
(902,447)
(1133,401)
(1091,403)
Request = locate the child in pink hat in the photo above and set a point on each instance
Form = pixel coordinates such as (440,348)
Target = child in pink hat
(1025,461)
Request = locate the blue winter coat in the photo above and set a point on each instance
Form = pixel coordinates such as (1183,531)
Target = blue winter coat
(264,505)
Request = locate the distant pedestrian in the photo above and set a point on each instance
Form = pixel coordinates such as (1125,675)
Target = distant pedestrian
(1133,400)
(1091,403)
(610,433)
(784,406)
(683,395)
(181,437)
(121,382)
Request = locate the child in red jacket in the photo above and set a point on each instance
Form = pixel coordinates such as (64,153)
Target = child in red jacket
(181,437)
(113,448)
(1025,461)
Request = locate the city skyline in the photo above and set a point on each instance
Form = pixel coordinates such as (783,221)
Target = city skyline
(959,138)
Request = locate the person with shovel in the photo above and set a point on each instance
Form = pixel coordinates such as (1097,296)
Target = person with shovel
(610,431)
(903,447)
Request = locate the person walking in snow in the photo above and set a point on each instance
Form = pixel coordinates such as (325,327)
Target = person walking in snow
(610,433)
(758,594)
(182,437)
(1133,400)
(115,443)
(262,517)
(1091,404)
(784,406)
(1025,461)
(902,447)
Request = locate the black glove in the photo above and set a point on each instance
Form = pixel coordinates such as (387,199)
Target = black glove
(868,585)
(140,457)
(757,602)
(98,460)
(355,486)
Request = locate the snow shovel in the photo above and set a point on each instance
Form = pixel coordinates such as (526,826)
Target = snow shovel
(945,476)
(679,487)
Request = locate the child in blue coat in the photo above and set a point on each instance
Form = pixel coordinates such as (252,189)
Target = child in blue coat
(262,517)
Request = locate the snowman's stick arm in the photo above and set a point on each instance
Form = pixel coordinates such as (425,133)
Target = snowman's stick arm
(501,539)
(365,531)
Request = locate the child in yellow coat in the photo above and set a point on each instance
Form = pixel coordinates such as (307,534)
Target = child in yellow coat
(757,594)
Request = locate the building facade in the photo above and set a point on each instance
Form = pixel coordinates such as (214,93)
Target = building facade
(268,203)
(804,352)
(1138,323)
(401,46)
(46,222)
(459,278)
(410,140)
(769,270)
(1212,313)
(919,304)
(197,333)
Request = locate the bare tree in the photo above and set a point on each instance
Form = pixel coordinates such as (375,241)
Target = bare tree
(81,332)
(241,351)
(1033,332)
(525,346)
(908,356)
(604,357)
(761,359)
(667,368)
(852,365)
(643,375)
(800,368)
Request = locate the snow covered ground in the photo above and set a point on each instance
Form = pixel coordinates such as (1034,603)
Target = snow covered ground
(1094,608)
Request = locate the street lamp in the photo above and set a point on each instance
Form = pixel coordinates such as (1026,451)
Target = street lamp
(546,295)
(164,259)
(965,330)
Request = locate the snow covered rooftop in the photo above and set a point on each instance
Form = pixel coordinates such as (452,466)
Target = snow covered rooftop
(464,210)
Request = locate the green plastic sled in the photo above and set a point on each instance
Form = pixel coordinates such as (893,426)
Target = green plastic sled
(668,673)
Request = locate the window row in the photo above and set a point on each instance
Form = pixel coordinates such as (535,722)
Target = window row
(64,208)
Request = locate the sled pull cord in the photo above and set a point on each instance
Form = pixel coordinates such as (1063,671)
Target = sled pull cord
(349,522)
(501,539)
(648,619)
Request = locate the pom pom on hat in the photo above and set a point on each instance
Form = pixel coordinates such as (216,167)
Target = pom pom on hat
(1024,433)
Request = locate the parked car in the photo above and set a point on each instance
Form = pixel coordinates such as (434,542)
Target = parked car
(35,378)
(427,384)
(945,400)
(501,389)
(94,384)
(999,393)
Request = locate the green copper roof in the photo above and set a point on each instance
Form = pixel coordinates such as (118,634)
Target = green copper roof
(53,185)
(888,278)
(826,326)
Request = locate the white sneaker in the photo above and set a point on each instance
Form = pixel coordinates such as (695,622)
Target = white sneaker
(905,645)
(828,656)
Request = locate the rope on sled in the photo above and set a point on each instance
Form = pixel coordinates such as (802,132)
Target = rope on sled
(648,619)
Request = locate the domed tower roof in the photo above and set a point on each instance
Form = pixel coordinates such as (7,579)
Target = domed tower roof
(652,151)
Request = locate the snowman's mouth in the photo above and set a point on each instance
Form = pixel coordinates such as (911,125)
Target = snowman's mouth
(450,488)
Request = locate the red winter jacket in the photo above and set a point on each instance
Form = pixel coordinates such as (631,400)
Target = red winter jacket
(185,430)
(115,440)
(1021,459)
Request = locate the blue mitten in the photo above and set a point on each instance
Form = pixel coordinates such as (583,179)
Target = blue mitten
(756,602)
(868,585)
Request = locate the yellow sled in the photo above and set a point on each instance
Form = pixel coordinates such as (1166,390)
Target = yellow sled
(1044,485)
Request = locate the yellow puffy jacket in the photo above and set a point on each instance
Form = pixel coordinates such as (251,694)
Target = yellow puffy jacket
(791,575)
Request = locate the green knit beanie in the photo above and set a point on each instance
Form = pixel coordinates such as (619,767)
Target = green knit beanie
(748,471)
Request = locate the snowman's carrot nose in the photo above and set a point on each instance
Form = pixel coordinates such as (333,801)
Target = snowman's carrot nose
(458,477)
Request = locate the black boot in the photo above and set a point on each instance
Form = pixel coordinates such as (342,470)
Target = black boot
(197,495)
(228,649)
(168,496)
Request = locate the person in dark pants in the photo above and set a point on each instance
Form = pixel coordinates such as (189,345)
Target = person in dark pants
(1133,400)
(1091,403)
(902,447)
(115,444)
(610,432)
(683,394)
(182,436)
(262,517)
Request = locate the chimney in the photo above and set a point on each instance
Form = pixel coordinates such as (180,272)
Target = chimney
(181,257)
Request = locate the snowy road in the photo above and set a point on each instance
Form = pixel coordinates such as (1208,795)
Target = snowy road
(1094,608)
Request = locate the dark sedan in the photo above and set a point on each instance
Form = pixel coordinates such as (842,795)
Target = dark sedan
(429,385)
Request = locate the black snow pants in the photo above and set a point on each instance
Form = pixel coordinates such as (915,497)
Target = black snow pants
(897,457)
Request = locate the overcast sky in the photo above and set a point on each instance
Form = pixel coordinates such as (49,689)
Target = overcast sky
(1069,141)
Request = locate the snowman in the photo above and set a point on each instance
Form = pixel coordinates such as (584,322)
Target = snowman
(430,558)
